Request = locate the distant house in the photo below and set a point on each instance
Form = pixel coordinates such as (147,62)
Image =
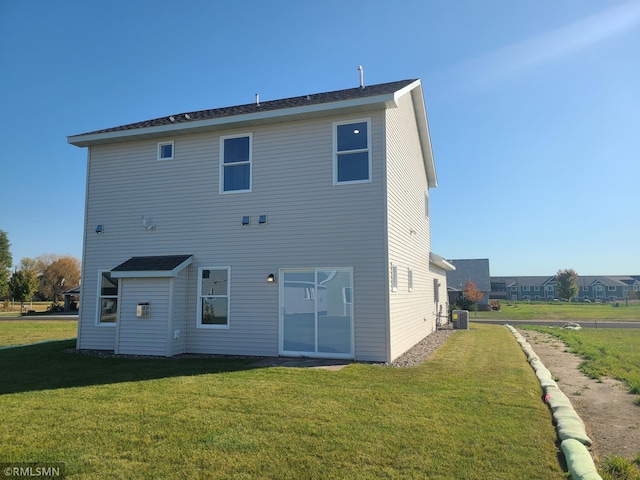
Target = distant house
(523,288)
(476,270)
(295,227)
(599,287)
(611,288)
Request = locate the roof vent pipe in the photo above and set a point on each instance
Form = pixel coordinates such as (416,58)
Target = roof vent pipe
(361,76)
(258,99)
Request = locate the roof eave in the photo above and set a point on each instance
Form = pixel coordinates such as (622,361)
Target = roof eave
(152,273)
(269,116)
(440,262)
(417,97)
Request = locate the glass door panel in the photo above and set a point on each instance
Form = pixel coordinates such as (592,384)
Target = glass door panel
(334,311)
(316,312)
(298,305)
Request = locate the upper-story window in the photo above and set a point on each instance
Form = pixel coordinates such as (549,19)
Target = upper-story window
(165,151)
(352,152)
(235,163)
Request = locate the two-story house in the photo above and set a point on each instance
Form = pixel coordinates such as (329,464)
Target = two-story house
(294,227)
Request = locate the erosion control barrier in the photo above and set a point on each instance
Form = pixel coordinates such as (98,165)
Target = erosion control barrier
(569,425)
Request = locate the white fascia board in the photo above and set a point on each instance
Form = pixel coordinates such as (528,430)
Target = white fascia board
(440,262)
(85,140)
(153,273)
(423,128)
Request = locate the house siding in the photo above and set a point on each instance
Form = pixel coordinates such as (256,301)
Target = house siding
(412,314)
(179,307)
(308,226)
(143,336)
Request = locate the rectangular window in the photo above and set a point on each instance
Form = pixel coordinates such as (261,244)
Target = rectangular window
(426,204)
(213,297)
(536,289)
(352,148)
(394,278)
(107,298)
(235,163)
(585,288)
(410,279)
(611,288)
(525,289)
(165,151)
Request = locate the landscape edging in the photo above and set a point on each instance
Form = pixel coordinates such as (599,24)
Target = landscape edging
(569,426)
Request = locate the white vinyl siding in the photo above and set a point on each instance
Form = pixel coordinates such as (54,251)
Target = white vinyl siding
(143,336)
(413,314)
(307,221)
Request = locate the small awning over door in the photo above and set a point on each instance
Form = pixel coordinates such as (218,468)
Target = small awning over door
(152,266)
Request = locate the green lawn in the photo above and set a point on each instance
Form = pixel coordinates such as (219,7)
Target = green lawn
(610,352)
(562,311)
(472,411)
(21,332)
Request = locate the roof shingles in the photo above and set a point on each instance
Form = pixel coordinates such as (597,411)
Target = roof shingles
(304,100)
(164,263)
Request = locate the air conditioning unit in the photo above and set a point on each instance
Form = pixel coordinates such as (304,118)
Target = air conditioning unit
(460,319)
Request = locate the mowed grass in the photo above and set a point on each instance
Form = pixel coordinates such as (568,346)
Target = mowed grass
(14,310)
(563,311)
(22,332)
(472,410)
(611,352)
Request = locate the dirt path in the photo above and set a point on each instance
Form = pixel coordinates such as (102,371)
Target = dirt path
(611,417)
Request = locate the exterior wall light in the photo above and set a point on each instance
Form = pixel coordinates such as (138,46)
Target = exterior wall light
(99,228)
(271,278)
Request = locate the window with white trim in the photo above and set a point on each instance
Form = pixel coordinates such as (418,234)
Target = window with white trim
(213,297)
(394,278)
(351,152)
(165,151)
(410,279)
(235,163)
(426,204)
(107,299)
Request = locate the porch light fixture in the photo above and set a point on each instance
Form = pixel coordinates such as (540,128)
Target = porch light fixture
(246,220)
(99,228)
(271,278)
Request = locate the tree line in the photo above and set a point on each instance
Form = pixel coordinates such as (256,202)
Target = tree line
(45,277)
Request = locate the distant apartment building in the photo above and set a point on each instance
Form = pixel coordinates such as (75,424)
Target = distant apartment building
(590,287)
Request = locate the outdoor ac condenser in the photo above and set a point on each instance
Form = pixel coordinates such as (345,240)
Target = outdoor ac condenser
(461,319)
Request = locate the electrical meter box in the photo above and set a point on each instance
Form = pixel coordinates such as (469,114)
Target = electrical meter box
(460,319)
(143,310)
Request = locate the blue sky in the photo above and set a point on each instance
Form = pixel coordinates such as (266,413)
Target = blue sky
(533,106)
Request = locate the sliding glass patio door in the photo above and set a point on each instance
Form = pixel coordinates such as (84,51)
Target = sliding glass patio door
(316,312)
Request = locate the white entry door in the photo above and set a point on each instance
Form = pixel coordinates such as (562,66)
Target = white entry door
(316,312)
